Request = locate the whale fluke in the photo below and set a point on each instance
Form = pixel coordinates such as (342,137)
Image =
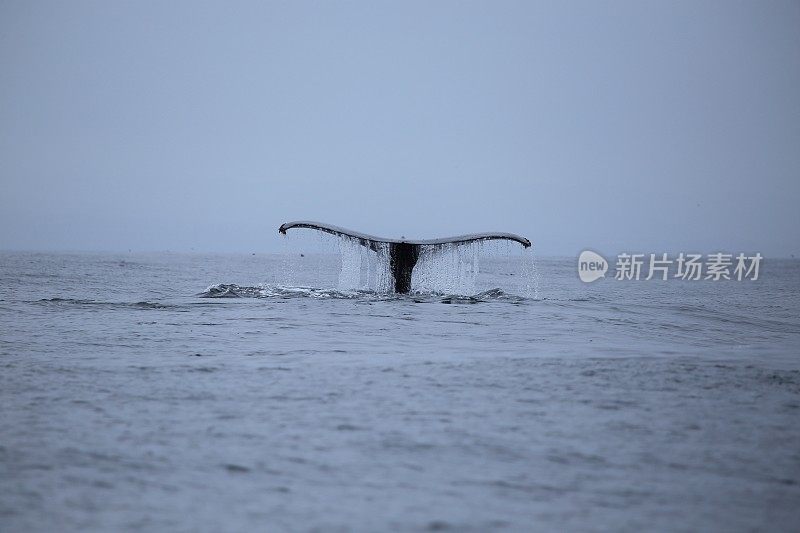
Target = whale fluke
(403,253)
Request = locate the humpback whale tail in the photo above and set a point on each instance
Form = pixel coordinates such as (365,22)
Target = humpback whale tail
(403,253)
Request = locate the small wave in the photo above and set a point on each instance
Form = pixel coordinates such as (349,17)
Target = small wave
(67,301)
(491,295)
(87,303)
(497,294)
(223,291)
(586,298)
(150,305)
(231,290)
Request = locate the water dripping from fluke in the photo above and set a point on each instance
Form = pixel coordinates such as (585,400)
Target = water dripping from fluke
(446,265)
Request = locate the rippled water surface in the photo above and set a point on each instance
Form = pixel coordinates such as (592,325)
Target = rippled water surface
(237,392)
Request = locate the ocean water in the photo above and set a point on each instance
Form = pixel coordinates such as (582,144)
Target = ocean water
(190,392)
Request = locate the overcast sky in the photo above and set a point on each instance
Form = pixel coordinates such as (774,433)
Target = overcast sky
(642,126)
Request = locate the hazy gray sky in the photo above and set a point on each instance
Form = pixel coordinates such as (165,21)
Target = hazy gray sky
(650,126)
